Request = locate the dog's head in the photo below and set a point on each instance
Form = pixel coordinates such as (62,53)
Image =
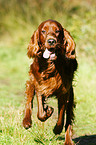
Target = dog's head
(49,40)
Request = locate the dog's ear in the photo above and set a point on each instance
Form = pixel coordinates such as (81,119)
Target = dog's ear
(69,45)
(33,47)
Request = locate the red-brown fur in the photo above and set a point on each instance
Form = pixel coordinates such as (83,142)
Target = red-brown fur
(51,73)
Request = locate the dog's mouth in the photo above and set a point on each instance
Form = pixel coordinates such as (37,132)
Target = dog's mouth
(49,54)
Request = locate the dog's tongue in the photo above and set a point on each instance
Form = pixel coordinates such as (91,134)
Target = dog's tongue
(46,53)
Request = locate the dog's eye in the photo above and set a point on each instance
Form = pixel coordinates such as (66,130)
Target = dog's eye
(43,31)
(57,31)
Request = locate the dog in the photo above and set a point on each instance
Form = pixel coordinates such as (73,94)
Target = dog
(51,73)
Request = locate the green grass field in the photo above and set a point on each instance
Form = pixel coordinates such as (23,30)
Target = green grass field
(15,33)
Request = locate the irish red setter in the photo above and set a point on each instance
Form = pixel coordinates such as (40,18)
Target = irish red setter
(51,73)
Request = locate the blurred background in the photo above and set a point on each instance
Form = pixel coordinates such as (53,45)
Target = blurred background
(18,20)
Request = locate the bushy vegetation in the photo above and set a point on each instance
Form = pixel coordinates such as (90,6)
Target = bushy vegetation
(18,20)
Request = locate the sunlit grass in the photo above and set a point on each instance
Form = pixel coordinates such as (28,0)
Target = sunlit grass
(85,96)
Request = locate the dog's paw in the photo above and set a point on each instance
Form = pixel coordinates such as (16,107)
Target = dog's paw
(49,111)
(69,143)
(57,129)
(27,123)
(46,114)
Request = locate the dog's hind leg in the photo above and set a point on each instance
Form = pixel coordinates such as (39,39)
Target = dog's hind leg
(69,118)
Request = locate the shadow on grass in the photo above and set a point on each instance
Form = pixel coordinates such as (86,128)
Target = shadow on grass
(83,140)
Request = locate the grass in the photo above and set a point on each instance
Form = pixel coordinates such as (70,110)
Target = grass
(17,26)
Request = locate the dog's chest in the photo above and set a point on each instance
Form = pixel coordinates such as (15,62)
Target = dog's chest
(49,81)
(48,84)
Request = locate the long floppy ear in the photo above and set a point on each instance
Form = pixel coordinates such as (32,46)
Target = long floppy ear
(69,45)
(33,47)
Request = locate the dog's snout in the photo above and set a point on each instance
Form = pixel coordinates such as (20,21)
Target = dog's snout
(51,41)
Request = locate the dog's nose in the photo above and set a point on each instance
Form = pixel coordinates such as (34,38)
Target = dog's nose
(51,41)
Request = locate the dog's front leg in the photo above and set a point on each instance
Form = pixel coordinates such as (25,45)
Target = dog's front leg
(43,112)
(61,110)
(30,95)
